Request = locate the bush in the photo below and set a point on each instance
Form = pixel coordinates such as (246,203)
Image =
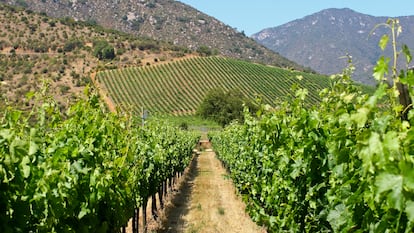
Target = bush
(70,45)
(64,89)
(103,50)
(149,45)
(204,51)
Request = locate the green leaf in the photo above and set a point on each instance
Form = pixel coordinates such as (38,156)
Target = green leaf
(407,77)
(33,148)
(367,154)
(408,173)
(393,186)
(383,42)
(6,134)
(391,141)
(360,117)
(78,166)
(381,69)
(407,53)
(25,166)
(338,217)
(409,210)
(84,211)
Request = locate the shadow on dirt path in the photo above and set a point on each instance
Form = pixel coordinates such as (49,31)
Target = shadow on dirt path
(172,218)
(207,202)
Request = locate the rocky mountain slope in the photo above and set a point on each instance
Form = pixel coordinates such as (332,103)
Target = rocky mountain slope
(166,20)
(36,49)
(320,41)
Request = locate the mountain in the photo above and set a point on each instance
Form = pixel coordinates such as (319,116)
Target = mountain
(36,49)
(320,41)
(165,20)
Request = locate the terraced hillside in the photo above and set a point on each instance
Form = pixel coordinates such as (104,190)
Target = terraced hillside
(179,87)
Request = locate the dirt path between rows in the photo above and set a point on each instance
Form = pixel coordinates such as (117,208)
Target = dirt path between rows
(207,202)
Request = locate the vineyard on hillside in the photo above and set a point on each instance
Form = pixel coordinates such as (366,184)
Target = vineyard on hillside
(179,87)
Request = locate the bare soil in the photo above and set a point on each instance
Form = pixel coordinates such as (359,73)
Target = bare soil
(206,202)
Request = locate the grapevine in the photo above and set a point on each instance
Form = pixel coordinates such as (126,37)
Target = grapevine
(82,171)
(343,165)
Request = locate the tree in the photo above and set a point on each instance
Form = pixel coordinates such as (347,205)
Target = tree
(224,107)
(103,50)
(204,51)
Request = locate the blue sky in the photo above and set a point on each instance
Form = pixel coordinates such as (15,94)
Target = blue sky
(253,16)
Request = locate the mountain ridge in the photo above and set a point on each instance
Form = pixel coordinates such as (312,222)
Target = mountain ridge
(165,20)
(322,40)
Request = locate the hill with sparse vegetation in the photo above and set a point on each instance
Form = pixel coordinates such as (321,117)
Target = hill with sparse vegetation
(36,49)
(165,20)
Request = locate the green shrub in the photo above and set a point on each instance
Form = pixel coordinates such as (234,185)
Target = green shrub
(103,50)
(72,44)
(204,51)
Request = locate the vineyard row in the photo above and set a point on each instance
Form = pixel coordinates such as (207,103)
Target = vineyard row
(84,171)
(344,165)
